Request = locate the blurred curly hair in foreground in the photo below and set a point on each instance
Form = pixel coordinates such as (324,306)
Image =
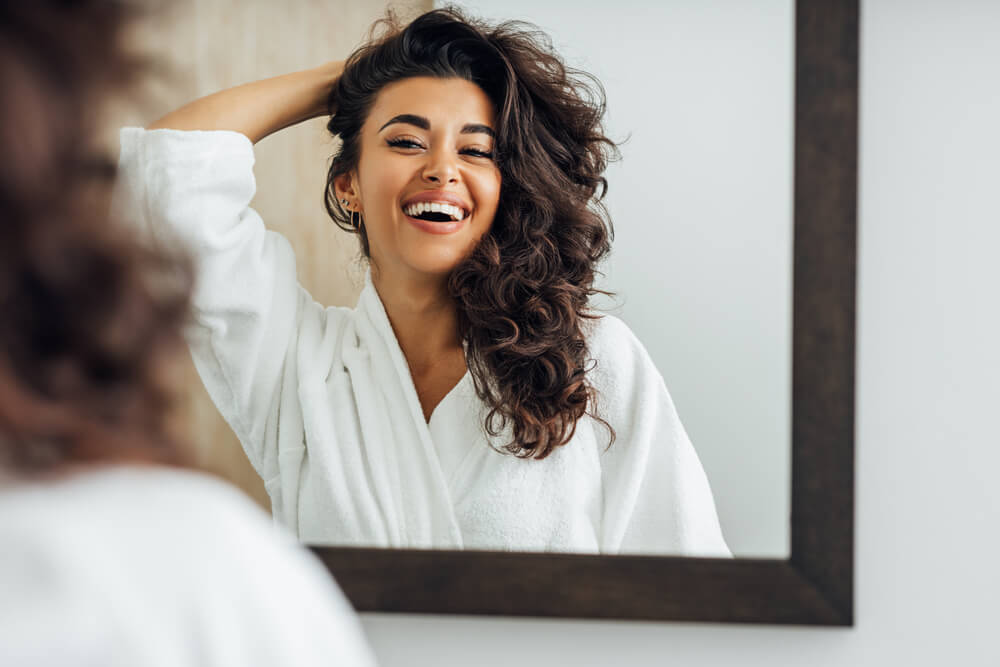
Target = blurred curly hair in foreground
(90,318)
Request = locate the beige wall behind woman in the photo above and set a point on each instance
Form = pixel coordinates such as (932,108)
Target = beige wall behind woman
(208,45)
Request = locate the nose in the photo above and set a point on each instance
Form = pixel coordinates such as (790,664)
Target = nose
(440,168)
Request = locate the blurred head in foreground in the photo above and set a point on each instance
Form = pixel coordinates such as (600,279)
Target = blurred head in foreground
(89,318)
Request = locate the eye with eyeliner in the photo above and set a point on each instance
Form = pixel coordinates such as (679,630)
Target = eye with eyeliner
(403,143)
(411,144)
(478,153)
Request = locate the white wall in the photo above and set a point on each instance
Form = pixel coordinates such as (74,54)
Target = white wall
(928,449)
(702,93)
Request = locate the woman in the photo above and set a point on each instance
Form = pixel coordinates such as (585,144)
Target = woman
(470,400)
(110,552)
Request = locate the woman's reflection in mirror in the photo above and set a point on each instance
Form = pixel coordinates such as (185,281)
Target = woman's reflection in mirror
(472,399)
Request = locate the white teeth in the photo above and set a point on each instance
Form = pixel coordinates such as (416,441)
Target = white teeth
(456,212)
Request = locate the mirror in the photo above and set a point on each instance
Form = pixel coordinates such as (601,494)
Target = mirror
(706,183)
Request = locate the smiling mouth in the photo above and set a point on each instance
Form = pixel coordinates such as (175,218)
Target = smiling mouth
(435,212)
(434,217)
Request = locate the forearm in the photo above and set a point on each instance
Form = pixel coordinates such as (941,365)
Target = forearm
(259,108)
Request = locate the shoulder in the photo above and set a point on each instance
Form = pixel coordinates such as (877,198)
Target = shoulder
(629,388)
(616,351)
(136,141)
(178,545)
(138,512)
(608,333)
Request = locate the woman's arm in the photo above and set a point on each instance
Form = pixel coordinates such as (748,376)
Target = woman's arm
(196,187)
(260,108)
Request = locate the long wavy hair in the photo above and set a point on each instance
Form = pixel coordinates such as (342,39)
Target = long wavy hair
(522,294)
(90,319)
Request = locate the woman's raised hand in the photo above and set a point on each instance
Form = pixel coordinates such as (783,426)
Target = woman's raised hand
(259,108)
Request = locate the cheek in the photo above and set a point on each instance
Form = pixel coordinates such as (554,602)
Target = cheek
(374,188)
(380,202)
(381,181)
(489,194)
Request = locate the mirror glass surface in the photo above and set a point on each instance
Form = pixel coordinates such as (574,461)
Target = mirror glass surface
(700,95)
(703,94)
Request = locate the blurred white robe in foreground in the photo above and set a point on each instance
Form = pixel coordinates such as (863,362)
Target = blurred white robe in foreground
(126,565)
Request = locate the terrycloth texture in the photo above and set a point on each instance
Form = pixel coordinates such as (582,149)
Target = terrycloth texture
(324,404)
(122,566)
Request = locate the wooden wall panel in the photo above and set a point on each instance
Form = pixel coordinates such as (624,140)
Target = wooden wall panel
(208,45)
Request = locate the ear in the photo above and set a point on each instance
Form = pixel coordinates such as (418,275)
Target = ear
(346,187)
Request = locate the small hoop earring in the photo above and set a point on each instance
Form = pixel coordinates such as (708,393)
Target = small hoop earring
(356,220)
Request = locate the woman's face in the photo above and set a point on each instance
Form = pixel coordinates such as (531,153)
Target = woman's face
(427,142)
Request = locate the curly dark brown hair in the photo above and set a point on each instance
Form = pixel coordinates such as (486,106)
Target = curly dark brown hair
(522,294)
(89,316)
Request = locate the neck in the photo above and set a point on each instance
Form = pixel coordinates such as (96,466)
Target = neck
(423,318)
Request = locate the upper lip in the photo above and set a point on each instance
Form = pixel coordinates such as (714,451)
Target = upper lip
(438,196)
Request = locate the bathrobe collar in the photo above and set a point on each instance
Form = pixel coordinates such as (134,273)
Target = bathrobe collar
(402,438)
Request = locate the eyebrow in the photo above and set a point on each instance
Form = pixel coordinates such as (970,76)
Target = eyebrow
(424,124)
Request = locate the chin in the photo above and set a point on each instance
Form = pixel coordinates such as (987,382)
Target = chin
(440,268)
(440,260)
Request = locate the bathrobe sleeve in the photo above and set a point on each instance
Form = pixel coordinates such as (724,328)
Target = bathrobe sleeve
(195,188)
(656,497)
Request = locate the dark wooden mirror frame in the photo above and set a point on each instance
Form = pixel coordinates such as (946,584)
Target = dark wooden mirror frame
(814,586)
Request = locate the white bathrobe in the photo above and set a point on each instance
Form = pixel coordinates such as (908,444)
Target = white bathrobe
(150,566)
(323,402)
